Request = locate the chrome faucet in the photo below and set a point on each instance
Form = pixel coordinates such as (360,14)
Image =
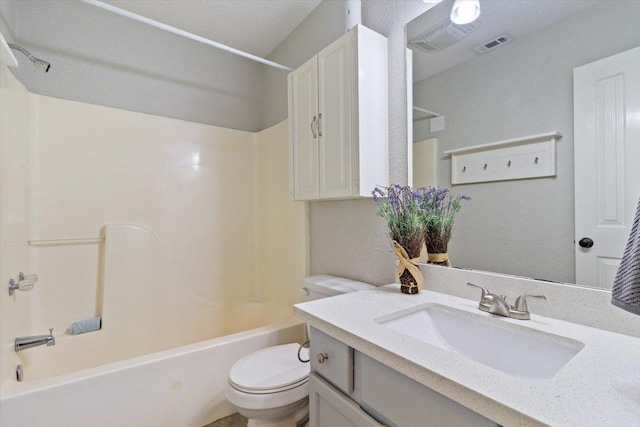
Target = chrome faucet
(497,304)
(23,343)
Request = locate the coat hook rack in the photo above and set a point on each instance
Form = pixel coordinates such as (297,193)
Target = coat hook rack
(520,158)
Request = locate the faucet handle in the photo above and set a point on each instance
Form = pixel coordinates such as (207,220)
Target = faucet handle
(52,340)
(521,302)
(485,291)
(29,277)
(26,285)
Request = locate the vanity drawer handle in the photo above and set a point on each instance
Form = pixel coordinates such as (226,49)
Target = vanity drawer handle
(322,357)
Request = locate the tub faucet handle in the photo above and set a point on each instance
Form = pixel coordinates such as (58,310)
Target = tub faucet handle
(26,282)
(32,277)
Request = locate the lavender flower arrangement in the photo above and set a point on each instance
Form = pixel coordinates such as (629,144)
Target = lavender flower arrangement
(400,207)
(438,207)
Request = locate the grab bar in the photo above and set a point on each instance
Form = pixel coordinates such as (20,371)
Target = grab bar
(65,242)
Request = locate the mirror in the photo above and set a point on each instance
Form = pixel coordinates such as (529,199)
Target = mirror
(521,86)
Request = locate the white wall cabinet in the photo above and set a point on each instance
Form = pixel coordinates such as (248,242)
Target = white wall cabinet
(338,119)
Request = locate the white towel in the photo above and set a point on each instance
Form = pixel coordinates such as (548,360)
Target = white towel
(86,325)
(626,287)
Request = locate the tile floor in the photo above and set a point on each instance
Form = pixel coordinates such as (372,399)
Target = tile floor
(234,420)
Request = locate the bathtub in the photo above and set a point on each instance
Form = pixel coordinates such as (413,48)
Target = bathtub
(180,387)
(160,359)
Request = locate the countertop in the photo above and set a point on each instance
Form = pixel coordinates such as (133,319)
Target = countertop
(600,386)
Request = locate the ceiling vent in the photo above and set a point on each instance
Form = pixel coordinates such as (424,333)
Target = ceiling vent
(492,44)
(442,35)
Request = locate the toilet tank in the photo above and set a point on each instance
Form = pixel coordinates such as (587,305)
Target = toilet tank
(322,286)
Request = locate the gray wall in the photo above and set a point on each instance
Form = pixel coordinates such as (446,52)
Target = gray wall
(322,27)
(346,237)
(7,19)
(525,88)
(101,58)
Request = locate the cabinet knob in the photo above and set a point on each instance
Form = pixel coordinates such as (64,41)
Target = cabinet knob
(322,357)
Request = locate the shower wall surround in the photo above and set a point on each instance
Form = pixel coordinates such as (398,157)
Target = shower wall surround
(216,198)
(14,119)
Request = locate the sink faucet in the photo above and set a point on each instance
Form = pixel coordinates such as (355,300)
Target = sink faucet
(497,304)
(23,343)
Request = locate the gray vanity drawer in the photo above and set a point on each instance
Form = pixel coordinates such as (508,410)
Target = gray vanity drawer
(337,368)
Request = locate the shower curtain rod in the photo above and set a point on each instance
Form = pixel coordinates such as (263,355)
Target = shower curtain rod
(183,33)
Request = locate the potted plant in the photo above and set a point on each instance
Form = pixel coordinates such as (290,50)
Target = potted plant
(400,207)
(438,208)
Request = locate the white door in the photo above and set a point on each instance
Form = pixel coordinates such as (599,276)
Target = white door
(334,120)
(607,163)
(304,133)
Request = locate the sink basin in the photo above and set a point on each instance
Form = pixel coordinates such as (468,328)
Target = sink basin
(518,351)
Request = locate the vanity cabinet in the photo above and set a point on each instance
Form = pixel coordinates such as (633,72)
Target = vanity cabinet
(338,119)
(348,388)
(330,408)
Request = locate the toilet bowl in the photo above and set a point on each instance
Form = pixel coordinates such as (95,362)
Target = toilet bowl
(270,386)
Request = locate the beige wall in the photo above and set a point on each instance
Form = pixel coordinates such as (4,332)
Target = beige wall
(282,225)
(216,199)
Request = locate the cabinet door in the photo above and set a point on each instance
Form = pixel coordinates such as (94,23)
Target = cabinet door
(335,120)
(330,408)
(303,109)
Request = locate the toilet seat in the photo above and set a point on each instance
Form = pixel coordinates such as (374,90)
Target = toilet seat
(270,370)
(269,378)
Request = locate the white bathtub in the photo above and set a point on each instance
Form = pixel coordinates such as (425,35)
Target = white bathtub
(161,358)
(181,387)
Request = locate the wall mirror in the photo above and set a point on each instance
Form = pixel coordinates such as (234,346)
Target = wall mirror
(510,75)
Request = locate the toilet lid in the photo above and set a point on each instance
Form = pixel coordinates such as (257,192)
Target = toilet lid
(272,368)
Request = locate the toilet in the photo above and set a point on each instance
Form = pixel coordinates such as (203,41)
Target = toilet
(269,386)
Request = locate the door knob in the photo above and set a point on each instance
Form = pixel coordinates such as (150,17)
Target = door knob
(585,242)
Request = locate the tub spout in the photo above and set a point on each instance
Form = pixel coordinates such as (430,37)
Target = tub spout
(22,343)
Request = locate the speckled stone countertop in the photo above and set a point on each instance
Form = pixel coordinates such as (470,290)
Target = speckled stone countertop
(599,386)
